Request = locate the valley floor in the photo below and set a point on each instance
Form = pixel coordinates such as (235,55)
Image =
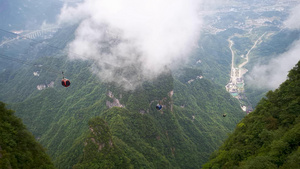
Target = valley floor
(236,84)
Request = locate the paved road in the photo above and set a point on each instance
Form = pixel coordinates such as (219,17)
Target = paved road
(247,55)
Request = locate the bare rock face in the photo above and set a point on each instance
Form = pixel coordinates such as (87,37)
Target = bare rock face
(115,102)
(110,94)
(171,93)
(44,86)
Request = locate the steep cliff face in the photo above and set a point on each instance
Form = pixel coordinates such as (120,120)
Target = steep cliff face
(269,136)
(115,102)
(18,148)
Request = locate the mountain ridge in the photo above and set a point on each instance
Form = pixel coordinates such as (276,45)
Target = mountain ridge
(18,148)
(269,136)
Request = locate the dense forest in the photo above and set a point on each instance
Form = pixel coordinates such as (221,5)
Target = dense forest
(183,134)
(18,147)
(189,127)
(269,137)
(95,123)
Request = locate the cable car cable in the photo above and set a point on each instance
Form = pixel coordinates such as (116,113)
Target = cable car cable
(55,47)
(47,68)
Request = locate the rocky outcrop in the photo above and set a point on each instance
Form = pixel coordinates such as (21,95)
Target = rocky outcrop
(44,86)
(115,102)
(171,93)
(198,77)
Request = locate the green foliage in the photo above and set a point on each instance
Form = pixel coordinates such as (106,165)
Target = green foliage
(187,74)
(181,135)
(100,151)
(213,57)
(169,138)
(268,137)
(147,138)
(18,148)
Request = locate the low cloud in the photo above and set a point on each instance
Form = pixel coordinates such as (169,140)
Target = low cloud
(271,75)
(132,41)
(293,21)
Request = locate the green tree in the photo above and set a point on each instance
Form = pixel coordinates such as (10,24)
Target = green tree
(18,148)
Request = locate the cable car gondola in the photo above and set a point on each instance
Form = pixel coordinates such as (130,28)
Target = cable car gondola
(158,106)
(65,82)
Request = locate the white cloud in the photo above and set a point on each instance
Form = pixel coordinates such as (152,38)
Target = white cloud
(293,21)
(271,75)
(139,37)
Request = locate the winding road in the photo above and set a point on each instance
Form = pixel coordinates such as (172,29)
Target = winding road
(241,70)
(254,45)
(236,84)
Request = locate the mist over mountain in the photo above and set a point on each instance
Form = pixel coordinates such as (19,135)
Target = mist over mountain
(275,72)
(140,37)
(269,136)
(207,63)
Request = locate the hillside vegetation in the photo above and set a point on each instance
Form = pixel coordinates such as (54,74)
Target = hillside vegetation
(18,148)
(174,137)
(269,137)
(181,135)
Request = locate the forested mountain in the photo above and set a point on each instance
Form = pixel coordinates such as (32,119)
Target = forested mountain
(18,148)
(96,123)
(183,134)
(269,137)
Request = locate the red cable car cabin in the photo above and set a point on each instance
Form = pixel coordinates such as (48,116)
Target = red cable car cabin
(65,82)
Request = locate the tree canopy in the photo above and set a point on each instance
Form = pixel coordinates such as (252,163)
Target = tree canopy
(269,137)
(18,147)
